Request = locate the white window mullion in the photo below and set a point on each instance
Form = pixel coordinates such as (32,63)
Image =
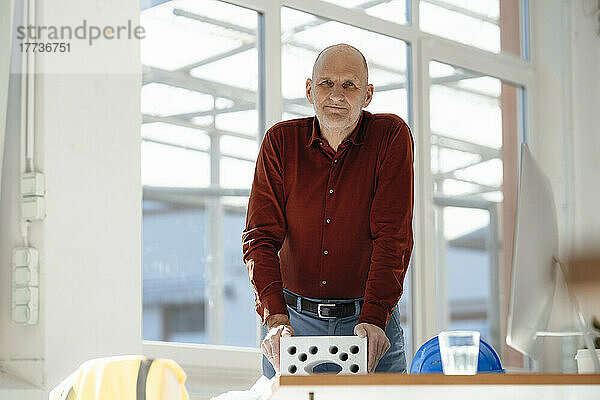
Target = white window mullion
(216,271)
(414,120)
(352,17)
(508,68)
(271,85)
(272,66)
(256,5)
(423,274)
(442,301)
(414,13)
(494,247)
(215,306)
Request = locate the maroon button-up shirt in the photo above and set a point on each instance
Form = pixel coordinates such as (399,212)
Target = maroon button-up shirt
(332,225)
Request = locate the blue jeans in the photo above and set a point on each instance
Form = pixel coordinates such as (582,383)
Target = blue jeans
(306,323)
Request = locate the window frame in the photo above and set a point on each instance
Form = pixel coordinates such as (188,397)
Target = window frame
(424,47)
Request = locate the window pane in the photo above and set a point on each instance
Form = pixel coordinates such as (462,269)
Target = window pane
(199,143)
(236,174)
(176,135)
(175,28)
(167,165)
(164,100)
(467,132)
(240,318)
(391,10)
(475,130)
(492,25)
(243,122)
(174,278)
(240,147)
(467,262)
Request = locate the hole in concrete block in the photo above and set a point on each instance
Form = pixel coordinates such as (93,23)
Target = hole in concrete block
(333,349)
(327,367)
(313,349)
(292,369)
(343,356)
(302,357)
(354,349)
(292,350)
(354,368)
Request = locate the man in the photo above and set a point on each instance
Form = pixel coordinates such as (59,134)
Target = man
(328,233)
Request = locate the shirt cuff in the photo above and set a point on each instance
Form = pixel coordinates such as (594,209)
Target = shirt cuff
(270,305)
(373,313)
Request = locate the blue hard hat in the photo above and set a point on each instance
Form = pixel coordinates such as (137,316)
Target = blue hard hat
(428,359)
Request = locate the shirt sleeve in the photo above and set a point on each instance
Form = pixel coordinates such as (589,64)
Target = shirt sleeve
(265,231)
(391,228)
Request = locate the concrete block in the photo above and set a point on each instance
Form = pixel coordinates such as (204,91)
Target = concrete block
(300,354)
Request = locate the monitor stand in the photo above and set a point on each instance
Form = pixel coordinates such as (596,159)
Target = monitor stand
(585,331)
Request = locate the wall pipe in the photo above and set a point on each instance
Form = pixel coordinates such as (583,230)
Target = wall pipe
(6,21)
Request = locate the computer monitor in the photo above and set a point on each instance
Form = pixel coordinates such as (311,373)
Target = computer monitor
(534,261)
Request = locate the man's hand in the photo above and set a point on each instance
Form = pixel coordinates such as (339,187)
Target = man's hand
(377,343)
(278,325)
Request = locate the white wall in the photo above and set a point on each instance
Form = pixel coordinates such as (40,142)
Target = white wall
(88,146)
(551,140)
(566,54)
(585,73)
(566,137)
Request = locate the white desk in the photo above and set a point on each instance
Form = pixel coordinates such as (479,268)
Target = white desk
(438,387)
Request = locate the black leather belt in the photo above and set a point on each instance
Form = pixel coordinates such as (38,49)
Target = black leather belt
(323,310)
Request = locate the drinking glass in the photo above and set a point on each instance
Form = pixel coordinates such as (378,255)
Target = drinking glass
(460,352)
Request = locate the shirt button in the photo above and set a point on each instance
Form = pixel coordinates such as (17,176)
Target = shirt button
(330,191)
(321,143)
(325,252)
(324,282)
(335,161)
(328,220)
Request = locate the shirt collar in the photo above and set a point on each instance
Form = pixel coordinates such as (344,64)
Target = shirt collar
(356,137)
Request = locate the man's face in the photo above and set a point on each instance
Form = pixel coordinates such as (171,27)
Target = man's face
(339,90)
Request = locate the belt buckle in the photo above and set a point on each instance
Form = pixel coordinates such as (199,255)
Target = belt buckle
(320,305)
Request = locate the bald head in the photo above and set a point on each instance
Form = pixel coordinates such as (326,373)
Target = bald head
(336,50)
(339,89)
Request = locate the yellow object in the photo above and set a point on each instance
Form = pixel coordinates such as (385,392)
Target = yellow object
(124,378)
